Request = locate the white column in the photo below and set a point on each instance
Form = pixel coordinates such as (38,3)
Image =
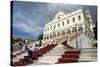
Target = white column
(71,29)
(83,28)
(65,32)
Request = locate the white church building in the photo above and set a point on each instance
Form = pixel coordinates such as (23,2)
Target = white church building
(75,27)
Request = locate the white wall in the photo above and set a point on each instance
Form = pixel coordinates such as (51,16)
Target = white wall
(66,17)
(83,42)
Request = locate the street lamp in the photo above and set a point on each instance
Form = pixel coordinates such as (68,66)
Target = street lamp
(76,37)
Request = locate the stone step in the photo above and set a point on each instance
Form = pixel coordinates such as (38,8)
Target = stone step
(15,60)
(14,53)
(87,59)
(58,48)
(49,59)
(73,49)
(88,54)
(54,54)
(38,63)
(89,51)
(22,55)
(52,51)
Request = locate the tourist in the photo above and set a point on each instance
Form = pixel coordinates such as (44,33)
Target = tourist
(20,44)
(31,50)
(24,47)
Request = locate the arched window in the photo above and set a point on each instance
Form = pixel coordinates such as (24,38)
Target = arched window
(79,17)
(68,31)
(48,28)
(74,29)
(63,23)
(54,34)
(51,27)
(63,32)
(67,21)
(80,28)
(47,37)
(59,17)
(58,34)
(50,35)
(73,19)
(58,25)
(54,26)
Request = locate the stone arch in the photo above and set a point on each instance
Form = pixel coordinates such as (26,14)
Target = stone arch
(47,37)
(68,31)
(63,32)
(50,35)
(58,33)
(54,34)
(80,28)
(74,29)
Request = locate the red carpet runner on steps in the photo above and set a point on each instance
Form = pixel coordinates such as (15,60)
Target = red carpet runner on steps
(69,57)
(40,52)
(65,44)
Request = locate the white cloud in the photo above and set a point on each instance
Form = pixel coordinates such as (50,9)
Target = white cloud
(31,30)
(23,27)
(60,6)
(28,23)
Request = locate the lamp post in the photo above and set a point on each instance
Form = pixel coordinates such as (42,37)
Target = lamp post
(76,36)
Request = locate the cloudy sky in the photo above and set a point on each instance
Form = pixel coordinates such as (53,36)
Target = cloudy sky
(29,18)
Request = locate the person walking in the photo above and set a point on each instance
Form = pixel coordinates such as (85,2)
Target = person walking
(24,47)
(20,44)
(31,50)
